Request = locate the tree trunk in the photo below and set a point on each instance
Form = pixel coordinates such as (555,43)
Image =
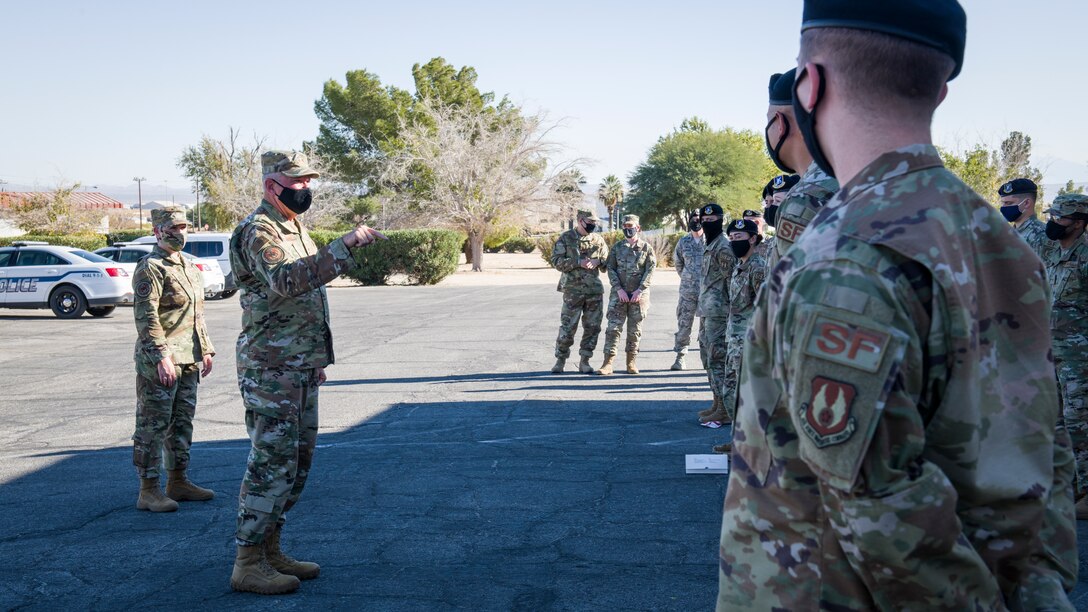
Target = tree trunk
(476,244)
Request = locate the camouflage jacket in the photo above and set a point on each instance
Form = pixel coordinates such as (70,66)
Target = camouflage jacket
(802,202)
(1067,272)
(744,285)
(631,267)
(766,248)
(894,442)
(168,305)
(1033,231)
(282,273)
(569,250)
(718,264)
(688,259)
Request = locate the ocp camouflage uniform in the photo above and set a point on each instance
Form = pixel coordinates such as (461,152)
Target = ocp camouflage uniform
(802,202)
(744,285)
(1067,271)
(168,306)
(583,291)
(718,264)
(630,267)
(1033,231)
(766,248)
(285,338)
(688,259)
(895,444)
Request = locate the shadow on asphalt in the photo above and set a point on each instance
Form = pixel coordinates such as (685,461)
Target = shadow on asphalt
(513,376)
(506,505)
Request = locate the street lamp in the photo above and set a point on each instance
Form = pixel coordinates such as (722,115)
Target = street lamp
(140,194)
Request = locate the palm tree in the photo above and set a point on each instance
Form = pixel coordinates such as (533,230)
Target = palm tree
(611,193)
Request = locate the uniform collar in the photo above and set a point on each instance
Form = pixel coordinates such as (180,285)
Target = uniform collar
(173,258)
(891,165)
(1026,223)
(287,226)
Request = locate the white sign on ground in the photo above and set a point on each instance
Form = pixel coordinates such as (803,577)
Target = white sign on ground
(707,464)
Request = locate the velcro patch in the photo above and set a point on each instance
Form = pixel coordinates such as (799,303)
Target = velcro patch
(143,289)
(826,417)
(845,344)
(788,230)
(272,255)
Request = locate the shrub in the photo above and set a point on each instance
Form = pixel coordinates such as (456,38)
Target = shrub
(424,256)
(519,244)
(324,237)
(87,242)
(499,236)
(546,244)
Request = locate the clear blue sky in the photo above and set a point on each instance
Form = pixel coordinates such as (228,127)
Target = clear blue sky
(102,92)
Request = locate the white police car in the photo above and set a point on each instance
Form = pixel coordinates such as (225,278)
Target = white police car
(127,255)
(69,281)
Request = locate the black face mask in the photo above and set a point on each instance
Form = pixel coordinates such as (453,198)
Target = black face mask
(589,227)
(629,232)
(1011,213)
(806,122)
(296,200)
(1054,231)
(712,229)
(740,247)
(770,214)
(776,150)
(694,225)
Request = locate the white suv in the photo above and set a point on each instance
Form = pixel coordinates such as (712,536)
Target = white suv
(128,255)
(68,281)
(207,245)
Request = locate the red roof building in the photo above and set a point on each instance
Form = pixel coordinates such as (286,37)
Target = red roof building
(79,199)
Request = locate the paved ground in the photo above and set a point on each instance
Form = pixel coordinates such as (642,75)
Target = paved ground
(454,471)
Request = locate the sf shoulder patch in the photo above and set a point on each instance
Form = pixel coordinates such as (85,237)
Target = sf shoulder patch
(272,255)
(143,289)
(827,416)
(846,344)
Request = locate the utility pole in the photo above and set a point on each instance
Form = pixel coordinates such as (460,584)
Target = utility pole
(140,194)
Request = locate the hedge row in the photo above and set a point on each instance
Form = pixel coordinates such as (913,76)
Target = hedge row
(424,256)
(517,244)
(87,242)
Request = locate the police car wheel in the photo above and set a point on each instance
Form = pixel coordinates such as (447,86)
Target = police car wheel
(101,311)
(227,294)
(68,302)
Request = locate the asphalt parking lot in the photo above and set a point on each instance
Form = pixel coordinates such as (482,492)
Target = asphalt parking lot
(453,471)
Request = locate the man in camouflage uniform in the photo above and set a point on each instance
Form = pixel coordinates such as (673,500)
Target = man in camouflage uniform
(631,264)
(688,259)
(787,149)
(718,264)
(580,254)
(1067,272)
(744,285)
(283,350)
(172,352)
(756,216)
(895,439)
(1017,202)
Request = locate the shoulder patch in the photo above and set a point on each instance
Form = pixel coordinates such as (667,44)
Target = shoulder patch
(143,288)
(850,345)
(272,255)
(827,416)
(788,230)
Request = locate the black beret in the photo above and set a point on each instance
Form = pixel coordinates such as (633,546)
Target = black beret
(752,213)
(1018,186)
(711,209)
(744,225)
(784,182)
(941,24)
(767,189)
(780,89)
(694,214)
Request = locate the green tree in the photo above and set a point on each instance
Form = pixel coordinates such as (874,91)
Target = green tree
(1015,160)
(694,165)
(978,167)
(1070,187)
(610,192)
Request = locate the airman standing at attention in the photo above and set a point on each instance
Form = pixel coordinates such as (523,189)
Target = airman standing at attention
(718,264)
(1018,198)
(688,259)
(631,264)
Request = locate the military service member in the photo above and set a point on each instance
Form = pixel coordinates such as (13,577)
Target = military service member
(1018,198)
(813,188)
(580,254)
(688,259)
(631,264)
(718,264)
(172,352)
(283,350)
(1067,271)
(756,216)
(890,367)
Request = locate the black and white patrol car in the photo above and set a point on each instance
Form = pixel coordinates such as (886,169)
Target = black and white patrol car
(66,280)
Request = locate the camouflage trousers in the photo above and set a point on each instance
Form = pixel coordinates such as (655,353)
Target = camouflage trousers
(685,316)
(631,313)
(715,338)
(281,418)
(731,381)
(1058,569)
(164,422)
(588,308)
(1073,389)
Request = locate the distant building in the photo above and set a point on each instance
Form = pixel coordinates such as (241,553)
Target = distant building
(79,199)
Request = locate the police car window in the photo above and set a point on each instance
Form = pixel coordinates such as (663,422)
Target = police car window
(39,258)
(130,255)
(89,256)
(5,259)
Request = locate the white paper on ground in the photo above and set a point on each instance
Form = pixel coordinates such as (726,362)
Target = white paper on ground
(707,464)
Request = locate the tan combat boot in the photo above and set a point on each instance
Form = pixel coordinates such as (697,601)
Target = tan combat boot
(253,574)
(151,497)
(283,563)
(606,367)
(584,367)
(679,363)
(558,367)
(723,449)
(631,367)
(178,488)
(719,415)
(709,411)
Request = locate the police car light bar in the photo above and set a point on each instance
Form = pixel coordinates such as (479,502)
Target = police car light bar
(20,243)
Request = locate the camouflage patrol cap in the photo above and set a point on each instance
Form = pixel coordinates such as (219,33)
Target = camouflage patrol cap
(1074,205)
(1017,187)
(632,219)
(588,214)
(288,163)
(168,216)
